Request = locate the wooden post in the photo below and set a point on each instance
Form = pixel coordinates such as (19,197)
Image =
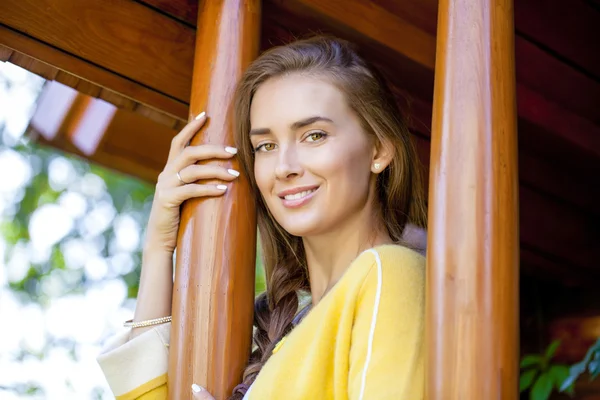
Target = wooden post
(473,255)
(213,296)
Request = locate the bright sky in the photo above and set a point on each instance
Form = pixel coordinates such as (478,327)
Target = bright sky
(87,319)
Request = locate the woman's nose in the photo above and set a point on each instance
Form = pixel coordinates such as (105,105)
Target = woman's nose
(288,164)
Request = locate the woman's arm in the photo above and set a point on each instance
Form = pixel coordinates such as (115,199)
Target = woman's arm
(176,184)
(135,363)
(387,344)
(156,287)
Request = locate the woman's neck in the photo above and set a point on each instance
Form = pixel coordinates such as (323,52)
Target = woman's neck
(329,255)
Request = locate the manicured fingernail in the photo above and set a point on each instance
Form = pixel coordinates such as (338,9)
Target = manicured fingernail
(222,187)
(231,150)
(197,388)
(202,114)
(233,172)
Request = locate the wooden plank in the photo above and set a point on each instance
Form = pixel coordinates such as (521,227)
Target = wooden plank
(125,134)
(39,68)
(556,81)
(286,21)
(373,22)
(558,182)
(472,332)
(574,160)
(156,116)
(88,88)
(82,68)
(559,121)
(5,53)
(67,79)
(422,13)
(571,29)
(120,36)
(216,245)
(118,100)
(576,186)
(572,238)
(545,267)
(184,10)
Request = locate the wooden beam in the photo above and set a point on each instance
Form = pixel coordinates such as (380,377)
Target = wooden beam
(422,13)
(369,20)
(473,255)
(213,294)
(569,29)
(559,121)
(184,10)
(572,238)
(95,30)
(559,184)
(74,67)
(557,81)
(116,45)
(5,53)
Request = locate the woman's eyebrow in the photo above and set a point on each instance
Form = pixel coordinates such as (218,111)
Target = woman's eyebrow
(260,131)
(296,125)
(308,121)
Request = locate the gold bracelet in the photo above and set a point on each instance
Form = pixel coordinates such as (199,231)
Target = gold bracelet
(149,322)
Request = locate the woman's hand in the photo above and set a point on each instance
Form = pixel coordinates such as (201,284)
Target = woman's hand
(200,393)
(176,183)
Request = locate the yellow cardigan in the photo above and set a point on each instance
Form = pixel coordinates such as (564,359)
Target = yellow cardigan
(363,340)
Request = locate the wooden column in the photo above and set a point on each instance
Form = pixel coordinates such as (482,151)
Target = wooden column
(213,296)
(473,255)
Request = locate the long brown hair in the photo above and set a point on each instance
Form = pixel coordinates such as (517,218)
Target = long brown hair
(399,186)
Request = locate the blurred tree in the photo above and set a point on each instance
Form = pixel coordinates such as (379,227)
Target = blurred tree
(66,226)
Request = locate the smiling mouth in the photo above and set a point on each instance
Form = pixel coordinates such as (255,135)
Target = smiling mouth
(300,195)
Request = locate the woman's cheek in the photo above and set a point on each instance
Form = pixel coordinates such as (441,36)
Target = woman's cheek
(264,177)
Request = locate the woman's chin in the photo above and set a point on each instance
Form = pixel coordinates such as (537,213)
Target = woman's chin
(303,227)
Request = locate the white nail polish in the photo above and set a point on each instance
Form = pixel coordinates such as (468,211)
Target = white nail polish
(197,388)
(233,172)
(222,187)
(231,150)
(202,114)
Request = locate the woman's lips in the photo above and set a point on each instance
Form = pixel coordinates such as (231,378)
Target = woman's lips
(298,199)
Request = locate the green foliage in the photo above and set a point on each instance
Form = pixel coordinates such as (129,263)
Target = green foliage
(78,248)
(541,377)
(591,363)
(126,194)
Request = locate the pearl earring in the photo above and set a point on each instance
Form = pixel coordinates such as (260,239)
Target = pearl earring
(376,166)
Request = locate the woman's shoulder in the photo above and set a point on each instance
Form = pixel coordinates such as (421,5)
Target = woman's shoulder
(392,267)
(394,254)
(392,257)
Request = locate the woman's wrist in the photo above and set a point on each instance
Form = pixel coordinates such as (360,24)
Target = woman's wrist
(156,248)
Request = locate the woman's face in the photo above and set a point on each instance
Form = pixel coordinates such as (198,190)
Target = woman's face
(313,160)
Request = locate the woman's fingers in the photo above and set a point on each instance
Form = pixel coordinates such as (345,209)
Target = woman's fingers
(193,173)
(200,393)
(192,154)
(173,197)
(181,140)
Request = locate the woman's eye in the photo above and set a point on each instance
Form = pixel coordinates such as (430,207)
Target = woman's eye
(265,147)
(315,136)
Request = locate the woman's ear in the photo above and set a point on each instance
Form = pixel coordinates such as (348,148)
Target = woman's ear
(383,153)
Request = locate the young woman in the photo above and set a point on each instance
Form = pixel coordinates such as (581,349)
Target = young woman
(336,180)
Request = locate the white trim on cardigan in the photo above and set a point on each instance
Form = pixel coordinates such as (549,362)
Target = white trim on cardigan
(373,324)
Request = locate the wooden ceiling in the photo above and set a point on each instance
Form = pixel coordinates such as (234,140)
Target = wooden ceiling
(140,52)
